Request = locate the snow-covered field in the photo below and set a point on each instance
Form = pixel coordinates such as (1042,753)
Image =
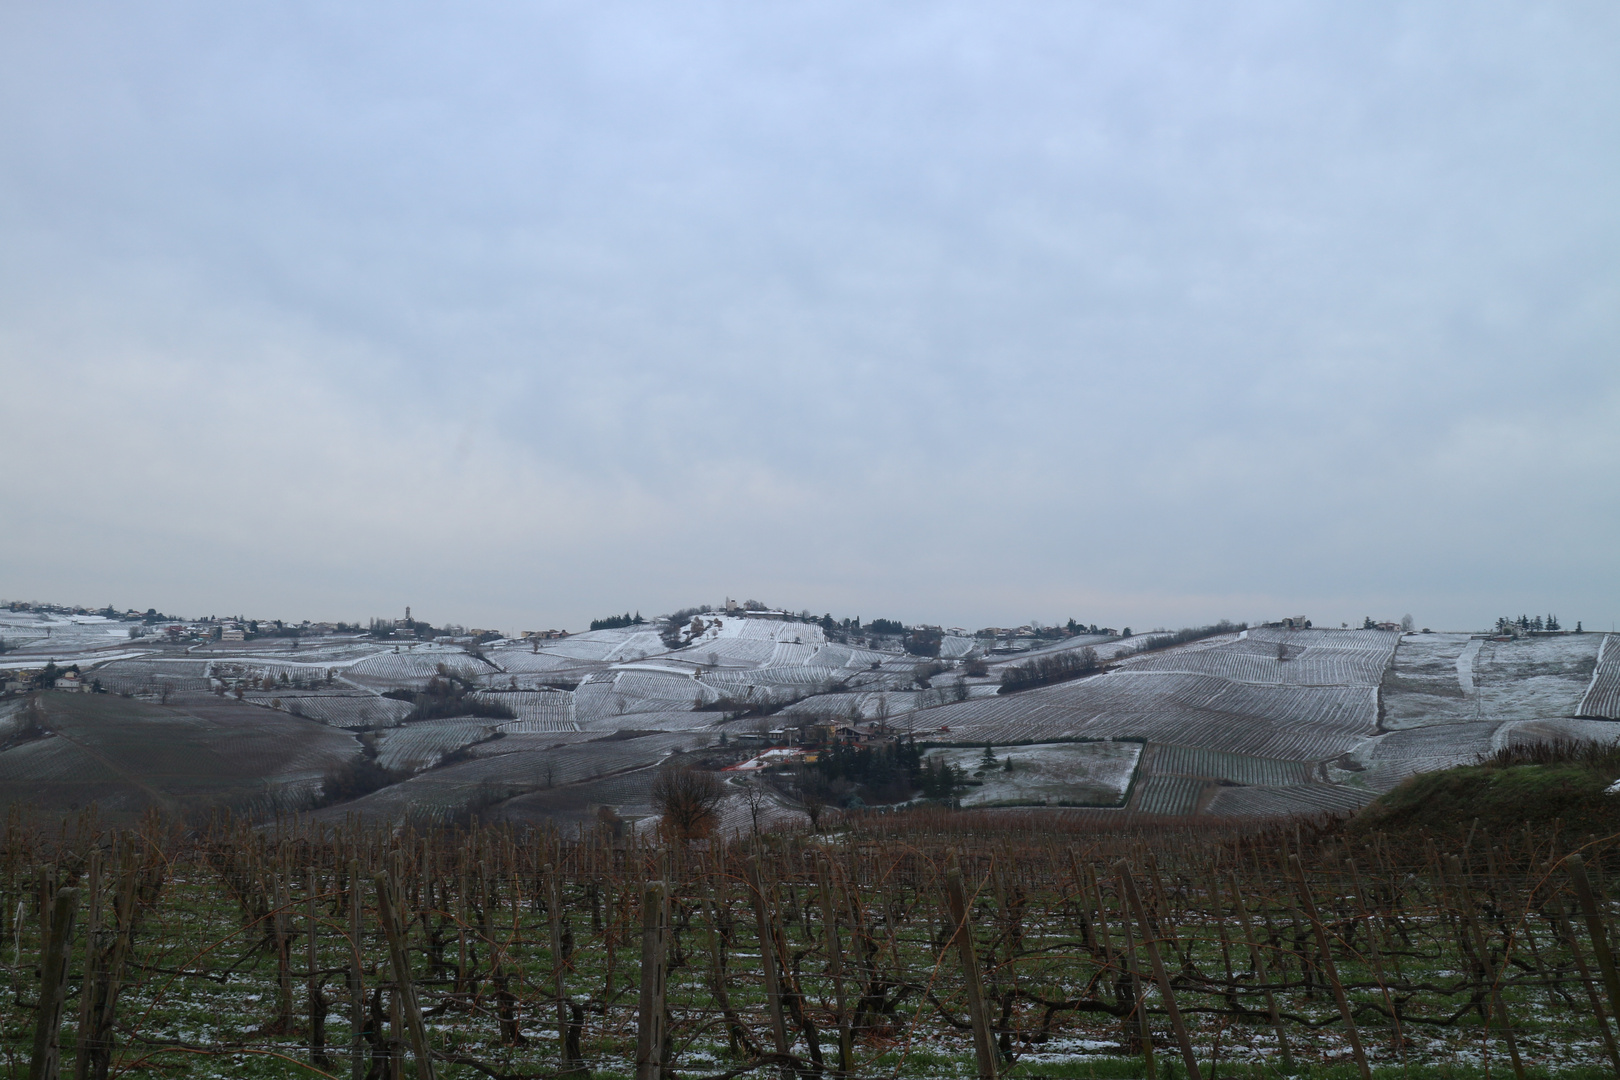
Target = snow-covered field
(1449,698)
(1258,722)
(1049,774)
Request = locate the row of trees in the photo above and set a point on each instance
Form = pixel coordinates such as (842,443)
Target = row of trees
(1525,624)
(615,622)
(1183,636)
(1041,670)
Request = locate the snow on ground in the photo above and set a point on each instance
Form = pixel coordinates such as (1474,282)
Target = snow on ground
(1426,683)
(36,661)
(1602,698)
(1273,711)
(1534,677)
(1049,774)
(419,746)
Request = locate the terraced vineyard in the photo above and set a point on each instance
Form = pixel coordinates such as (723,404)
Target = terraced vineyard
(415,747)
(1602,699)
(1171,760)
(187,760)
(1254,722)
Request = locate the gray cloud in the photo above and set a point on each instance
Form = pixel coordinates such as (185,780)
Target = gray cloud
(1139,313)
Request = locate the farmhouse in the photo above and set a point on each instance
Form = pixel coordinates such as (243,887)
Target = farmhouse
(777,755)
(860,733)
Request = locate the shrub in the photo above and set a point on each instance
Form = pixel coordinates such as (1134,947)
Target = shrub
(924,642)
(354,778)
(449,694)
(1591,753)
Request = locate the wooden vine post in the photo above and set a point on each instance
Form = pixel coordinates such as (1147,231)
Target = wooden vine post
(90,990)
(1132,977)
(281,930)
(1257,960)
(399,962)
(47,1057)
(1595,928)
(1566,932)
(1308,905)
(835,967)
(314,991)
(1127,886)
(567,1033)
(650,1017)
(357,988)
(767,963)
(1465,908)
(984,1046)
(741,1039)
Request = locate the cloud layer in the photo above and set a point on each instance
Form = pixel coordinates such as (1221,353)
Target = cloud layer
(1136,313)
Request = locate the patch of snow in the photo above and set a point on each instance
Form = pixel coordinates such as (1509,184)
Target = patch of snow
(1465,665)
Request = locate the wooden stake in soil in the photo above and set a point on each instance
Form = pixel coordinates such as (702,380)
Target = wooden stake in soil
(1138,998)
(835,967)
(281,929)
(404,990)
(53,987)
(741,1039)
(1258,959)
(357,989)
(90,991)
(313,990)
(767,963)
(650,1018)
(1128,887)
(567,1033)
(1332,971)
(1566,932)
(1595,928)
(1466,911)
(984,1046)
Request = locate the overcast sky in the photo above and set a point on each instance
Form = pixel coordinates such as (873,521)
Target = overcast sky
(523,314)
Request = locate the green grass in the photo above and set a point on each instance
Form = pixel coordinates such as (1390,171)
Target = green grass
(1517,786)
(1171,1068)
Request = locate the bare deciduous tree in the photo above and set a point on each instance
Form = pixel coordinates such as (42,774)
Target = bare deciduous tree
(688,801)
(810,787)
(754,796)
